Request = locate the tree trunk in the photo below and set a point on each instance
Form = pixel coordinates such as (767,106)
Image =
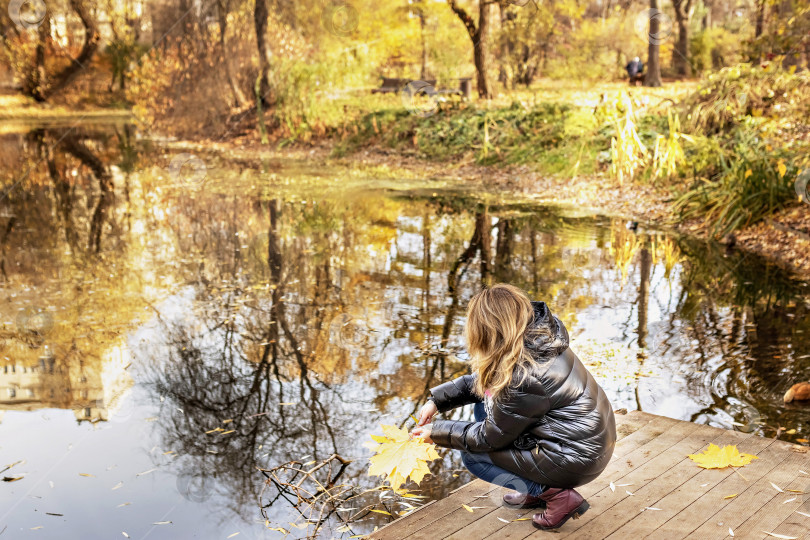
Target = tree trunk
(760,23)
(653,76)
(260,14)
(91,40)
(480,37)
(481,52)
(680,55)
(238,95)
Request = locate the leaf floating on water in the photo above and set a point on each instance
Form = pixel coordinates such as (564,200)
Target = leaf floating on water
(123,504)
(303,526)
(12,478)
(88,475)
(234,534)
(36,528)
(146,472)
(228,421)
(715,457)
(125,534)
(117,486)
(214,430)
(781,536)
(278,529)
(777,488)
(731,496)
(161,523)
(229,431)
(398,456)
(53,514)
(467,508)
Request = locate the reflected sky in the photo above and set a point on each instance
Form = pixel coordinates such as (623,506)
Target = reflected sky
(170,325)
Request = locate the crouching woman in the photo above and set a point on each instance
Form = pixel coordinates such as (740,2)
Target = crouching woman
(543,425)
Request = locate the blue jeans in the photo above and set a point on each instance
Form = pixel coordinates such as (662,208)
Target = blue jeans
(480,465)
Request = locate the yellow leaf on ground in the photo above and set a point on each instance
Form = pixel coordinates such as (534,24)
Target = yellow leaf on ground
(715,457)
(467,508)
(730,496)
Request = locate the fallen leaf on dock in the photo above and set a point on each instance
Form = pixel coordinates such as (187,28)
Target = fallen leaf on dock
(504,520)
(612,487)
(802,513)
(781,536)
(777,488)
(730,532)
(731,496)
(789,500)
(715,457)
(650,508)
(522,519)
(629,493)
(467,508)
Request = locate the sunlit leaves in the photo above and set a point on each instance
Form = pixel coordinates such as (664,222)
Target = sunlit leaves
(400,457)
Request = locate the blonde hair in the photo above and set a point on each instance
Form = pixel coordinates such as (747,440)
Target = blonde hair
(497,321)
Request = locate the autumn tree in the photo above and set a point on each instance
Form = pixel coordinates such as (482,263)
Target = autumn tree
(680,55)
(480,35)
(40,84)
(653,76)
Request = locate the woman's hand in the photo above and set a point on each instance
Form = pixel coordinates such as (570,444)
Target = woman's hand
(427,413)
(423,432)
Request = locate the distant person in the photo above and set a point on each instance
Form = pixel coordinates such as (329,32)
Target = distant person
(635,70)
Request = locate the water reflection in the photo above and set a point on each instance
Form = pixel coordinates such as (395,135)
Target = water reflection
(274,313)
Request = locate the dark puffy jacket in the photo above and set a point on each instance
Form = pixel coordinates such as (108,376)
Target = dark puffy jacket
(556,428)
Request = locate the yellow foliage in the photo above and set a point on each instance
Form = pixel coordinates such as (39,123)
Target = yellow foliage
(399,456)
(715,457)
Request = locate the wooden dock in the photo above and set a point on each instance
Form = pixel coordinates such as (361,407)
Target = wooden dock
(657,493)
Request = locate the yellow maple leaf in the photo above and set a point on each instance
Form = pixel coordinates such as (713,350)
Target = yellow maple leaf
(398,456)
(715,457)
(782,168)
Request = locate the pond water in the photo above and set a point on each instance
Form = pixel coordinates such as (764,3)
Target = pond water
(171,324)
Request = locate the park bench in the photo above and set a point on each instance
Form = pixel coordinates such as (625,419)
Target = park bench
(637,78)
(394,85)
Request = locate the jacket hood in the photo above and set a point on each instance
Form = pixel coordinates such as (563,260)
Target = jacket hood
(550,337)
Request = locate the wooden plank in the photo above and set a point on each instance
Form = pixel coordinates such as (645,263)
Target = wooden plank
(419,519)
(797,524)
(489,525)
(764,508)
(621,465)
(627,517)
(696,505)
(650,481)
